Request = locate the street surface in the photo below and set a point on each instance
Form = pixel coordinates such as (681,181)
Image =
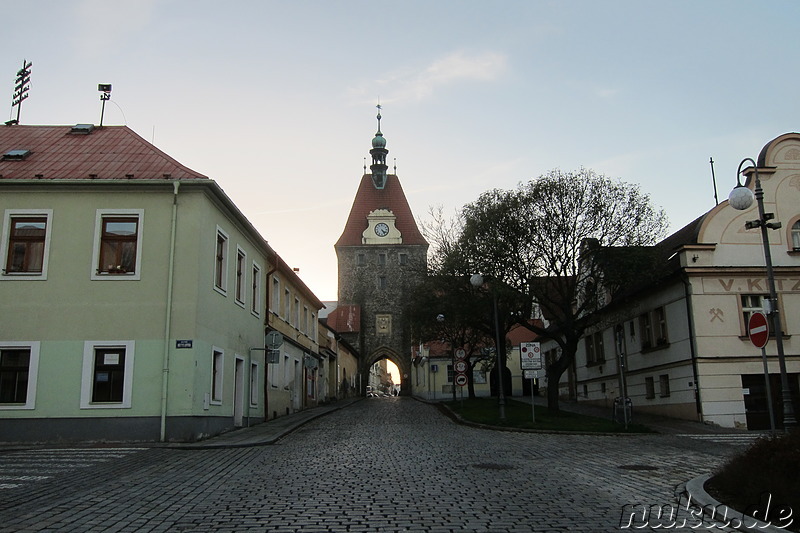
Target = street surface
(379,465)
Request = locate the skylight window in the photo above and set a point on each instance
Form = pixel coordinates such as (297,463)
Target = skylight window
(16,155)
(83,129)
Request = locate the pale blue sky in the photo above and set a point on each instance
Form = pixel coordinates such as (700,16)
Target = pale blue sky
(275,100)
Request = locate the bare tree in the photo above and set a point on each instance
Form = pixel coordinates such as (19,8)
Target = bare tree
(548,240)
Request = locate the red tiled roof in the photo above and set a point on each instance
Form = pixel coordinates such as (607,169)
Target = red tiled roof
(110,152)
(518,333)
(367,199)
(345,319)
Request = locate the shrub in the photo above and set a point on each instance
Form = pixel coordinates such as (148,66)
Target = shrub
(771,466)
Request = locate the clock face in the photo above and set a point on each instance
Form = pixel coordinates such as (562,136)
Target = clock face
(381,229)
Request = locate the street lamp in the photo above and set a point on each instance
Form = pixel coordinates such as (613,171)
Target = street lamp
(741,198)
(477,280)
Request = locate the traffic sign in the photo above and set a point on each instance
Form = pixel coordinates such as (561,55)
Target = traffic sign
(758,329)
(530,356)
(461,353)
(274,340)
(461,379)
(461,366)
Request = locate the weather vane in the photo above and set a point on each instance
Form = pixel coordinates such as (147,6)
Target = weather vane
(21,88)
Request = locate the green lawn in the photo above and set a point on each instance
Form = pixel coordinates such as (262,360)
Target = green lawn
(519,416)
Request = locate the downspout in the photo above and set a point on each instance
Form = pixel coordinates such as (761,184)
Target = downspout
(267,303)
(692,343)
(168,319)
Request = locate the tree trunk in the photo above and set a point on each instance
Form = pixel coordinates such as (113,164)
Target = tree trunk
(554,372)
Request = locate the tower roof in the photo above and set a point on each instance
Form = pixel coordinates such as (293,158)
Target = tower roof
(367,199)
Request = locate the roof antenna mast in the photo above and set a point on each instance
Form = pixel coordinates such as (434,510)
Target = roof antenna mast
(104,88)
(21,88)
(714,180)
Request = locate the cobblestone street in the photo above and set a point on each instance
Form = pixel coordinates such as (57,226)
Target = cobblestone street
(380,465)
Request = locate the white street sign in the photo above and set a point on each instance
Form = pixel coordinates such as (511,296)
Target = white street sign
(530,356)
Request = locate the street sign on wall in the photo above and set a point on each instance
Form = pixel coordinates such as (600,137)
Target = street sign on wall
(758,329)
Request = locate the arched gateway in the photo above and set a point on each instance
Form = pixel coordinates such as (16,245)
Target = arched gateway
(382,257)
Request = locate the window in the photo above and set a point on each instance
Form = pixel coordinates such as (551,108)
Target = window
(450,374)
(649,388)
(382,259)
(663,385)
(241,276)
(752,303)
(653,326)
(108,380)
(253,384)
(221,262)
(304,327)
(107,374)
(217,368)
(796,236)
(117,249)
(276,295)
(313,332)
(19,363)
(287,304)
(255,297)
(403,259)
(361,260)
(26,243)
(595,351)
(296,317)
(381,282)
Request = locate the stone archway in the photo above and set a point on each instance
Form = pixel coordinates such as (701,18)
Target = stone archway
(403,366)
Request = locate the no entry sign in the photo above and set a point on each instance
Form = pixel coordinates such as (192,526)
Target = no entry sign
(758,329)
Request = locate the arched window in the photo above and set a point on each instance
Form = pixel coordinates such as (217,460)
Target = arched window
(796,236)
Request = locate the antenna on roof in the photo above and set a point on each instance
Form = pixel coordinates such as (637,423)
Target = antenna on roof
(104,88)
(395,166)
(713,180)
(21,88)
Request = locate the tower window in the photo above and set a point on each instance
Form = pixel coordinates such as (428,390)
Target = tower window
(361,260)
(382,282)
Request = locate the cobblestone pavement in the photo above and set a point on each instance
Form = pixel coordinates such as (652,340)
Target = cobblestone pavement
(388,465)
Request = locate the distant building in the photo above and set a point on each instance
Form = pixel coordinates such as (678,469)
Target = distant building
(381,257)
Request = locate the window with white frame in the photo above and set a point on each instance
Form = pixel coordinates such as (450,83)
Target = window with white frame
(296,316)
(595,351)
(753,303)
(795,233)
(255,297)
(287,304)
(304,328)
(653,327)
(221,262)
(19,366)
(241,276)
(117,244)
(254,384)
(217,375)
(107,374)
(26,243)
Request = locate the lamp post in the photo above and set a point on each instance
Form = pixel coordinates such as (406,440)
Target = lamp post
(477,280)
(741,198)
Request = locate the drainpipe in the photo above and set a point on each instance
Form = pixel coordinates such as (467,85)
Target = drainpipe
(168,319)
(692,343)
(267,303)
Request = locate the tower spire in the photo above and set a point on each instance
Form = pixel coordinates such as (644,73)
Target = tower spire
(378,153)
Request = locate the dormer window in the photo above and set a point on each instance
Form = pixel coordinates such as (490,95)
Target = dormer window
(16,155)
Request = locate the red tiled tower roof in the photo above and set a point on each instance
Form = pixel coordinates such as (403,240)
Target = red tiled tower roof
(107,153)
(345,319)
(368,199)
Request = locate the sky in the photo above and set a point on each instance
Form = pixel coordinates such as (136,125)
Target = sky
(275,100)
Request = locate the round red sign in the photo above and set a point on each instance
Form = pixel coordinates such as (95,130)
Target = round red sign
(758,329)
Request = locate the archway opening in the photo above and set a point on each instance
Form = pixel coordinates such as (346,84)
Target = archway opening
(385,375)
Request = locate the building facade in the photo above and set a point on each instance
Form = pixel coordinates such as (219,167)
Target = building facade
(381,256)
(681,337)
